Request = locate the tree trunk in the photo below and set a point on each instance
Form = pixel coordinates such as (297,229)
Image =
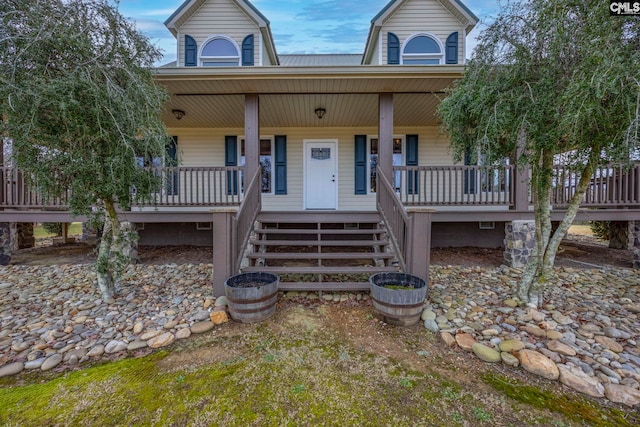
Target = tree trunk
(103,267)
(540,267)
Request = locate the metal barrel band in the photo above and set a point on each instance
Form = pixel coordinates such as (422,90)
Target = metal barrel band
(244,301)
(251,310)
(398,305)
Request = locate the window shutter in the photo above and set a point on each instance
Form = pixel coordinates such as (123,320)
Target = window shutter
(247,50)
(469,175)
(231,159)
(393,49)
(360,170)
(171,160)
(412,160)
(190,52)
(280,164)
(451,49)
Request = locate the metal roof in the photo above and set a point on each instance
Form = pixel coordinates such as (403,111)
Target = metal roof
(320,60)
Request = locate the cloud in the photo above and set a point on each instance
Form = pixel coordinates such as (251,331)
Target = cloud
(340,10)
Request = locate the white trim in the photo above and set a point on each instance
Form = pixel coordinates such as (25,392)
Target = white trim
(203,226)
(272,138)
(305,143)
(464,46)
(380,48)
(213,58)
(403,147)
(260,47)
(438,56)
(178,49)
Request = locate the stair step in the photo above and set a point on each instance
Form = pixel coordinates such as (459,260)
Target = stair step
(320,270)
(323,286)
(263,242)
(358,231)
(324,255)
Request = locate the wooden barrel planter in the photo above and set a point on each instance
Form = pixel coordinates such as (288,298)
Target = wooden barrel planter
(252,296)
(398,298)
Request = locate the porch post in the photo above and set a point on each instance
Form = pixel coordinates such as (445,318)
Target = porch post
(521,179)
(636,244)
(223,257)
(385,134)
(251,136)
(419,251)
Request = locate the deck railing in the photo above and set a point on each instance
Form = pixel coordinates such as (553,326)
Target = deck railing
(395,217)
(179,187)
(455,185)
(611,186)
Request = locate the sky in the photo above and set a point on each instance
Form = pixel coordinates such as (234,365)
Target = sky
(298,26)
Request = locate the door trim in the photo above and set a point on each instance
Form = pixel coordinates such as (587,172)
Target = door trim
(305,143)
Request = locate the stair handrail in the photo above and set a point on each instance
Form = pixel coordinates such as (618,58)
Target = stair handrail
(245,218)
(395,217)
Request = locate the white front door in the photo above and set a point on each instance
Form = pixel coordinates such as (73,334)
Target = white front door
(320,174)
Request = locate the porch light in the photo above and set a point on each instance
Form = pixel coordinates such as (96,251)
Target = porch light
(178,113)
(320,112)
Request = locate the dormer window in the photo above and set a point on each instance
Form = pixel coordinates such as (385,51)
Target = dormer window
(219,51)
(422,49)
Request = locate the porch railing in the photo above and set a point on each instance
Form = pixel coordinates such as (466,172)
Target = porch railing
(455,185)
(395,217)
(245,217)
(610,186)
(180,187)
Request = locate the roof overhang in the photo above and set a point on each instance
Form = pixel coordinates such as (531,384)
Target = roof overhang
(289,95)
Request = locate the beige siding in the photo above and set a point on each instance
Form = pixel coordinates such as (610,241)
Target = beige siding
(417,16)
(220,17)
(205,147)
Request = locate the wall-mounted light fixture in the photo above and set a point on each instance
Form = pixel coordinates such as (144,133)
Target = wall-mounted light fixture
(320,112)
(178,113)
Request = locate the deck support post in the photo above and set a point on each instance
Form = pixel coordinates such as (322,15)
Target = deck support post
(519,242)
(636,244)
(419,250)
(251,136)
(223,257)
(385,135)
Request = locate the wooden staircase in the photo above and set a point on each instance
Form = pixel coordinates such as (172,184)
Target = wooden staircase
(320,251)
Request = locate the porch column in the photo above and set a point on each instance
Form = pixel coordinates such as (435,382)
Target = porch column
(223,257)
(385,134)
(251,136)
(519,242)
(6,245)
(521,179)
(636,244)
(419,251)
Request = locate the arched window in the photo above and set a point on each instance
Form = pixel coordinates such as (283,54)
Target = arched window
(422,49)
(219,51)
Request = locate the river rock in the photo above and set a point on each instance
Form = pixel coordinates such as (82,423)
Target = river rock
(509,359)
(135,345)
(161,340)
(448,339)
(200,327)
(183,333)
(115,346)
(431,325)
(511,345)
(96,351)
(51,362)
(219,317)
(609,343)
(538,364)
(560,348)
(465,341)
(485,353)
(576,379)
(11,369)
(221,301)
(622,394)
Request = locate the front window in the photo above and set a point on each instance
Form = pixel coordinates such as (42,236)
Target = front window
(422,49)
(373,162)
(219,52)
(266,162)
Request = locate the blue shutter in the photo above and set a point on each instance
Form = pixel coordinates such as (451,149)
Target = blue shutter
(393,49)
(360,170)
(280,164)
(451,49)
(412,160)
(190,52)
(171,160)
(247,50)
(231,159)
(469,175)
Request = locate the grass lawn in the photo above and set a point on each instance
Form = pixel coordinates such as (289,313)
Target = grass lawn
(75,229)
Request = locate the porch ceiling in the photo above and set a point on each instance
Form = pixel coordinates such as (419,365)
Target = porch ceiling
(289,95)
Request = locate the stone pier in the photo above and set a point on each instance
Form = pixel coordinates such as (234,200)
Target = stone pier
(519,242)
(636,244)
(25,237)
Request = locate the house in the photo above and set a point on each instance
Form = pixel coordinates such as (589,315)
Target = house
(301,164)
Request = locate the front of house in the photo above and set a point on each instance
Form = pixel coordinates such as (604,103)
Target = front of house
(343,142)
